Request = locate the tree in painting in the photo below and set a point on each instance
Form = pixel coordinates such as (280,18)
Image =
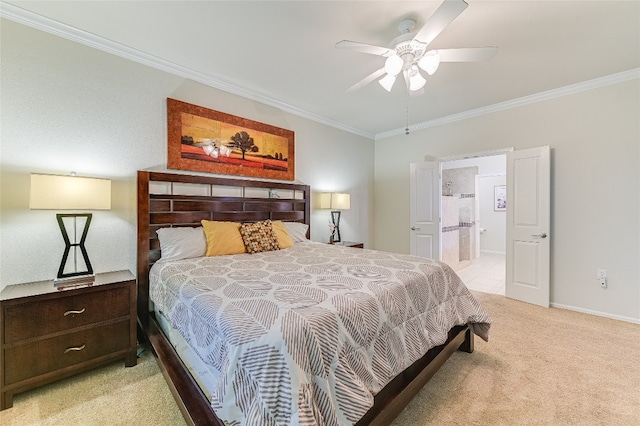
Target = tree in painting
(243,142)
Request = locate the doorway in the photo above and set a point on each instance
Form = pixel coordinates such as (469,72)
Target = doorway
(473,228)
(528,217)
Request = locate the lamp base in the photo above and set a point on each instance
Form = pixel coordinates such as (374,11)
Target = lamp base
(75,245)
(76,281)
(335,218)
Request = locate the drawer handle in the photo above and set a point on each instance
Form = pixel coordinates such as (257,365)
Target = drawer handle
(75,348)
(75,312)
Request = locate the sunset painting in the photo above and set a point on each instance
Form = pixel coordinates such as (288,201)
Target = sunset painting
(216,142)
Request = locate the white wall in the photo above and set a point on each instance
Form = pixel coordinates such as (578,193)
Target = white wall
(66,107)
(595,196)
(493,224)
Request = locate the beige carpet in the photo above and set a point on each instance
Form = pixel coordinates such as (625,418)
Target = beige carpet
(540,367)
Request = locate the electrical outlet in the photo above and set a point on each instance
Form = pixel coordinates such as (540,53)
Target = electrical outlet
(602,278)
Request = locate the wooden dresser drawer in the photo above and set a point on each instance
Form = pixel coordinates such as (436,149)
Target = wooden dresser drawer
(34,319)
(30,360)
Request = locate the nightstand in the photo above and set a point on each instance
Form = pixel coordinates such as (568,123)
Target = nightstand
(48,334)
(353,244)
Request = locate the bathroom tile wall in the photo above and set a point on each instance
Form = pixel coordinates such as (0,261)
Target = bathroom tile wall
(463,180)
(458,209)
(450,230)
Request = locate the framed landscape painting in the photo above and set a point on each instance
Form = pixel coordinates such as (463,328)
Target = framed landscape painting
(205,140)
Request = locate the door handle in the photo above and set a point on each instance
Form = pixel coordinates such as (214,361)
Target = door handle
(541,235)
(413,228)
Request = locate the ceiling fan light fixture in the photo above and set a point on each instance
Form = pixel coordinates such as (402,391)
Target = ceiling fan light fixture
(393,65)
(408,53)
(430,62)
(416,80)
(387,82)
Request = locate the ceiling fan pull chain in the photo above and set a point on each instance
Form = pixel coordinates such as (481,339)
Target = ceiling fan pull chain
(406,130)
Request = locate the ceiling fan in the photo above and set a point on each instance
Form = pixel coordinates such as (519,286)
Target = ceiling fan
(408,53)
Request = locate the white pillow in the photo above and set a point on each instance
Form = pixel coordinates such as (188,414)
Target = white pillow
(182,243)
(297,231)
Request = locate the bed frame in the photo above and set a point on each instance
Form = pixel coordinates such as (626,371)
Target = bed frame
(172,209)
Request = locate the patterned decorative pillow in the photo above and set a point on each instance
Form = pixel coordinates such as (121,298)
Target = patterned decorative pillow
(259,236)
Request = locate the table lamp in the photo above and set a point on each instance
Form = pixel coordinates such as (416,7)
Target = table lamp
(336,202)
(58,192)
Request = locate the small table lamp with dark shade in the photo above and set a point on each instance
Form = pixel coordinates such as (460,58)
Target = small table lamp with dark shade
(57,192)
(336,202)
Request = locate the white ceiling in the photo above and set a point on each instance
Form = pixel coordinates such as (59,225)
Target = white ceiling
(283,52)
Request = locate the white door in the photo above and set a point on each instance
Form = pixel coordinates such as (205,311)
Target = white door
(528,225)
(425,209)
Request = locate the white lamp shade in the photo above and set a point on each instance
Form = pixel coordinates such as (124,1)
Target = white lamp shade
(56,192)
(430,62)
(387,82)
(340,201)
(325,200)
(335,201)
(416,80)
(393,65)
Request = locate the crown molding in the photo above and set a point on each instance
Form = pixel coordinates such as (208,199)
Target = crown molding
(39,22)
(518,102)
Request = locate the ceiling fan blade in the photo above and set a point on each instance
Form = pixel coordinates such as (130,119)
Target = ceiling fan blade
(364,48)
(368,79)
(443,16)
(467,54)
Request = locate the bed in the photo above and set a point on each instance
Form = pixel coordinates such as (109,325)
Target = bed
(366,384)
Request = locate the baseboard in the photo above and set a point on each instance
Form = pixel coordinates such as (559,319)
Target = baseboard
(596,313)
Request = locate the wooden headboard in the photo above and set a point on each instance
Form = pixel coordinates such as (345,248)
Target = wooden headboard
(169,199)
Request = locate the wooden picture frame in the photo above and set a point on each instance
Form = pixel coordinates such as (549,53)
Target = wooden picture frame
(500,198)
(205,140)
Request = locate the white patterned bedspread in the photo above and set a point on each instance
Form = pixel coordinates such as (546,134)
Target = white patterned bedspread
(309,334)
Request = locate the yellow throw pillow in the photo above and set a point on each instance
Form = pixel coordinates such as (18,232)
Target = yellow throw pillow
(281,233)
(259,237)
(223,238)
